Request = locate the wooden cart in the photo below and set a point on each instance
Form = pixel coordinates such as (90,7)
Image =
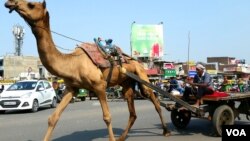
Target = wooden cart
(220,110)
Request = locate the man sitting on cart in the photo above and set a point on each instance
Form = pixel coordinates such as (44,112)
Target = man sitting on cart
(200,86)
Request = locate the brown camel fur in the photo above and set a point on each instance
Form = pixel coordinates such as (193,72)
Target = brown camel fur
(78,71)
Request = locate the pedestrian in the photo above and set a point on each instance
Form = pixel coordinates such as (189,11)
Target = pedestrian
(225,86)
(173,84)
(241,85)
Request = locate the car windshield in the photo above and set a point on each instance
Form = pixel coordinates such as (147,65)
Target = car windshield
(22,86)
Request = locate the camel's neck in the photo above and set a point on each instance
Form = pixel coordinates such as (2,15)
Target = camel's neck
(48,53)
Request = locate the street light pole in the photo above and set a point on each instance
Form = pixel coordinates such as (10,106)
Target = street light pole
(188,50)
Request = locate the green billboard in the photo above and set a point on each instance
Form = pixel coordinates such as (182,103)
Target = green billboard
(147,40)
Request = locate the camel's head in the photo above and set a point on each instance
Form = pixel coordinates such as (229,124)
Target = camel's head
(31,11)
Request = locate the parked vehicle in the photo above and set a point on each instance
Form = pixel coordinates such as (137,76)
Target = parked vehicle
(82,94)
(28,95)
(91,95)
(111,92)
(114,92)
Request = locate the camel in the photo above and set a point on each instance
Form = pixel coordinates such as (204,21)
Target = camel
(78,71)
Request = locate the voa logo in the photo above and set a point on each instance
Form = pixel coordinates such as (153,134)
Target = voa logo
(236,132)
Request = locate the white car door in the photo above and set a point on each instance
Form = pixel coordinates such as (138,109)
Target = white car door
(48,91)
(41,96)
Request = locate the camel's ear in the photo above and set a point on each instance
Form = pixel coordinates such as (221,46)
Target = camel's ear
(44,4)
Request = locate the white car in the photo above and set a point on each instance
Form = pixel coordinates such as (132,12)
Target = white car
(28,95)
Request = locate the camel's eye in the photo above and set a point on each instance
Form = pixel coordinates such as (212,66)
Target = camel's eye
(31,5)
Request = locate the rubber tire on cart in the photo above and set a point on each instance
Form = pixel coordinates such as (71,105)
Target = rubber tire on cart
(223,115)
(35,106)
(180,119)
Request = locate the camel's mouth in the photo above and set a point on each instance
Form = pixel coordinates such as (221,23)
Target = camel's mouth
(11,6)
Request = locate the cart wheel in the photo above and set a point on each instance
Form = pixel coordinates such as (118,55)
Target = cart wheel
(180,119)
(223,115)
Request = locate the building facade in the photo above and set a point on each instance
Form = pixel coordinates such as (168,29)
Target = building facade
(21,67)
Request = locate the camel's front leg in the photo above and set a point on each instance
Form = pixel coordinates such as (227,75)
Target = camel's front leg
(106,113)
(68,95)
(129,95)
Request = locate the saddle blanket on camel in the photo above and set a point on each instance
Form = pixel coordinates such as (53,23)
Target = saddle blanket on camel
(99,58)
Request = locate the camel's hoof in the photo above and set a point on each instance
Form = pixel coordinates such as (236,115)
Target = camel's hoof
(167,133)
(119,139)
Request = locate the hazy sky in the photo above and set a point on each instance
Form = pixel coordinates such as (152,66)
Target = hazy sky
(217,27)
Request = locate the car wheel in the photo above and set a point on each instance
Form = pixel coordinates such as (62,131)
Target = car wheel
(35,106)
(2,111)
(54,102)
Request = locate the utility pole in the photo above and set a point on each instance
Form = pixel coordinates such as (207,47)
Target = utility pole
(188,51)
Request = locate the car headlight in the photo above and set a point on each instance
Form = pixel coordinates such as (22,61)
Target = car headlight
(27,95)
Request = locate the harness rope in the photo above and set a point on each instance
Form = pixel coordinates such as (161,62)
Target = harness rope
(59,34)
(112,65)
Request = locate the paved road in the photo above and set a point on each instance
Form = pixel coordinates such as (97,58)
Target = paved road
(82,121)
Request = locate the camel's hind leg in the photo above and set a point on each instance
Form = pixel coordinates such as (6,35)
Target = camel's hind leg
(147,92)
(57,113)
(156,103)
(129,95)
